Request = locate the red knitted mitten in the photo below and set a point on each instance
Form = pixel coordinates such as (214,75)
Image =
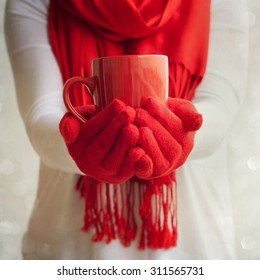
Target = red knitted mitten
(166,134)
(104,147)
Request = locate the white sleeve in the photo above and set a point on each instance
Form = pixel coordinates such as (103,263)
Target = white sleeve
(37,80)
(222,91)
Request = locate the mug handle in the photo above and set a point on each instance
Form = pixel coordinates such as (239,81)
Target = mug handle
(89,82)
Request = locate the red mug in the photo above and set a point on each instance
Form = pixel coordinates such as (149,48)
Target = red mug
(128,78)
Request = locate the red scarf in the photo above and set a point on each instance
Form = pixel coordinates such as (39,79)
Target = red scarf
(83,30)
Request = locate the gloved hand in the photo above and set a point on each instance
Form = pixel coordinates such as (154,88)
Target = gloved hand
(166,135)
(104,147)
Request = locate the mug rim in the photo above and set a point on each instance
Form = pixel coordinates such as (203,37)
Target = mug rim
(129,56)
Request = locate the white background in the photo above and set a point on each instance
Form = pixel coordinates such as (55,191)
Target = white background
(19,163)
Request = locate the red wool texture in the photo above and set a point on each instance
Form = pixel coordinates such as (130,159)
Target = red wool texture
(130,156)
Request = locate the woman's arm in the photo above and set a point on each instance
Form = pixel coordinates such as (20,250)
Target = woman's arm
(222,91)
(37,80)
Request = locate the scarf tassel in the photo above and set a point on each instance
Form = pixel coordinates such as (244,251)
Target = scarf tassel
(111,211)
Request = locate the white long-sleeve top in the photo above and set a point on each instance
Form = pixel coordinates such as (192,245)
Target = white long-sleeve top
(205,219)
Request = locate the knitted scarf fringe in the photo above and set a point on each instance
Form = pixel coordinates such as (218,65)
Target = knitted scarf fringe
(111,211)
